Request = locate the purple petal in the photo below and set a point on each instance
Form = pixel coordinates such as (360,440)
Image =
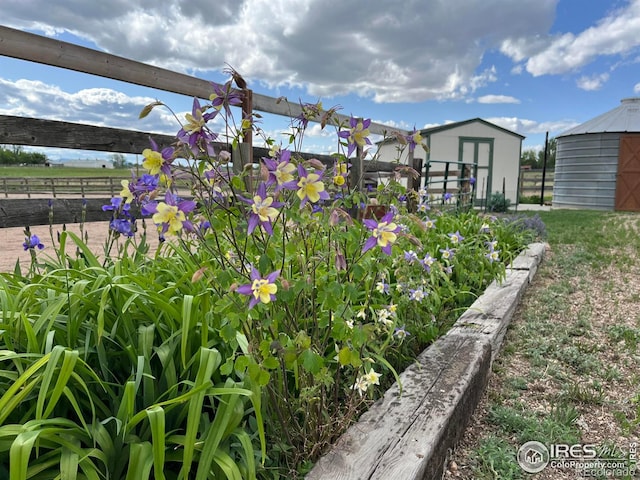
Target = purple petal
(255,274)
(253,223)
(387,218)
(149,208)
(187,206)
(273,276)
(370,223)
(245,289)
(369,244)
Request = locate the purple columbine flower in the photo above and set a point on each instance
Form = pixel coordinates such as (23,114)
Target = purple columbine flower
(260,289)
(456,238)
(263,210)
(357,134)
(383,233)
(447,196)
(447,253)
(281,171)
(224,96)
(427,261)
(195,132)
(472,181)
(410,256)
(33,242)
(413,139)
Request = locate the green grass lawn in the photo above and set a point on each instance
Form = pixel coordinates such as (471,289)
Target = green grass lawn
(62,172)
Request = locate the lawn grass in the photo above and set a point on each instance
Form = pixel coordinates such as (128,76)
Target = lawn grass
(63,172)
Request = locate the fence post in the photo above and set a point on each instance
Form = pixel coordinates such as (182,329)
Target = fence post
(53,187)
(27,188)
(6,191)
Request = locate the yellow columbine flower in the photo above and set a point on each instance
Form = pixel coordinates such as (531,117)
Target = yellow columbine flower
(153,161)
(385,233)
(284,172)
(262,207)
(263,289)
(194,123)
(125,193)
(310,187)
(169,215)
(338,180)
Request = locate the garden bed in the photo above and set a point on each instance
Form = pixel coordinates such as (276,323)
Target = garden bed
(407,433)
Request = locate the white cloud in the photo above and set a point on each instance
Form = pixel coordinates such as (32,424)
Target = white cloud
(593,82)
(525,126)
(497,99)
(93,106)
(615,34)
(636,88)
(389,53)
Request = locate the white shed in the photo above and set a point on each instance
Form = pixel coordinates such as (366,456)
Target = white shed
(494,153)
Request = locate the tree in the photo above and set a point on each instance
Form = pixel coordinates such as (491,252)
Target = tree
(119,160)
(535,158)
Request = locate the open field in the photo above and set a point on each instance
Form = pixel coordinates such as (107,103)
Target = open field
(62,172)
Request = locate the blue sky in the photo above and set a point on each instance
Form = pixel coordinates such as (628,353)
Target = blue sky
(530,66)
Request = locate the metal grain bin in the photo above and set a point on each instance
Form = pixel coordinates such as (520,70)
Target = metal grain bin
(588,159)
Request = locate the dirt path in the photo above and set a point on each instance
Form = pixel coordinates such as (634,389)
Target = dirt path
(12,239)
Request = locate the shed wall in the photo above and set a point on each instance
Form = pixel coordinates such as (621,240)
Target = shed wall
(585,172)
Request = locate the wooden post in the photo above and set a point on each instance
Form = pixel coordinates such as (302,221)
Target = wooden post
(53,187)
(416,183)
(247,112)
(4,184)
(26,187)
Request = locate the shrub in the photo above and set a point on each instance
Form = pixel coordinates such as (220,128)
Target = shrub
(498,203)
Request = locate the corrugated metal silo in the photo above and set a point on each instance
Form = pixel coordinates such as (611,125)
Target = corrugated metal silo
(588,158)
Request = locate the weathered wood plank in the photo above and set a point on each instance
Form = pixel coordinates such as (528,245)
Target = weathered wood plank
(489,316)
(365,451)
(28,212)
(50,133)
(442,418)
(36,48)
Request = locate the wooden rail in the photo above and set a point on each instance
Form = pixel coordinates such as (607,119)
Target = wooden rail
(47,133)
(531,182)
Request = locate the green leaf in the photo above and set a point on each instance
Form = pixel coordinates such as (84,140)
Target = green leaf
(210,359)
(157,422)
(344,356)
(311,361)
(140,461)
(19,454)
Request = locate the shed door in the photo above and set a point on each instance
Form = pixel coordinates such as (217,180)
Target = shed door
(479,152)
(628,176)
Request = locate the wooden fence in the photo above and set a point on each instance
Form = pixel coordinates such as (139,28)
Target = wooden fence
(47,133)
(531,183)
